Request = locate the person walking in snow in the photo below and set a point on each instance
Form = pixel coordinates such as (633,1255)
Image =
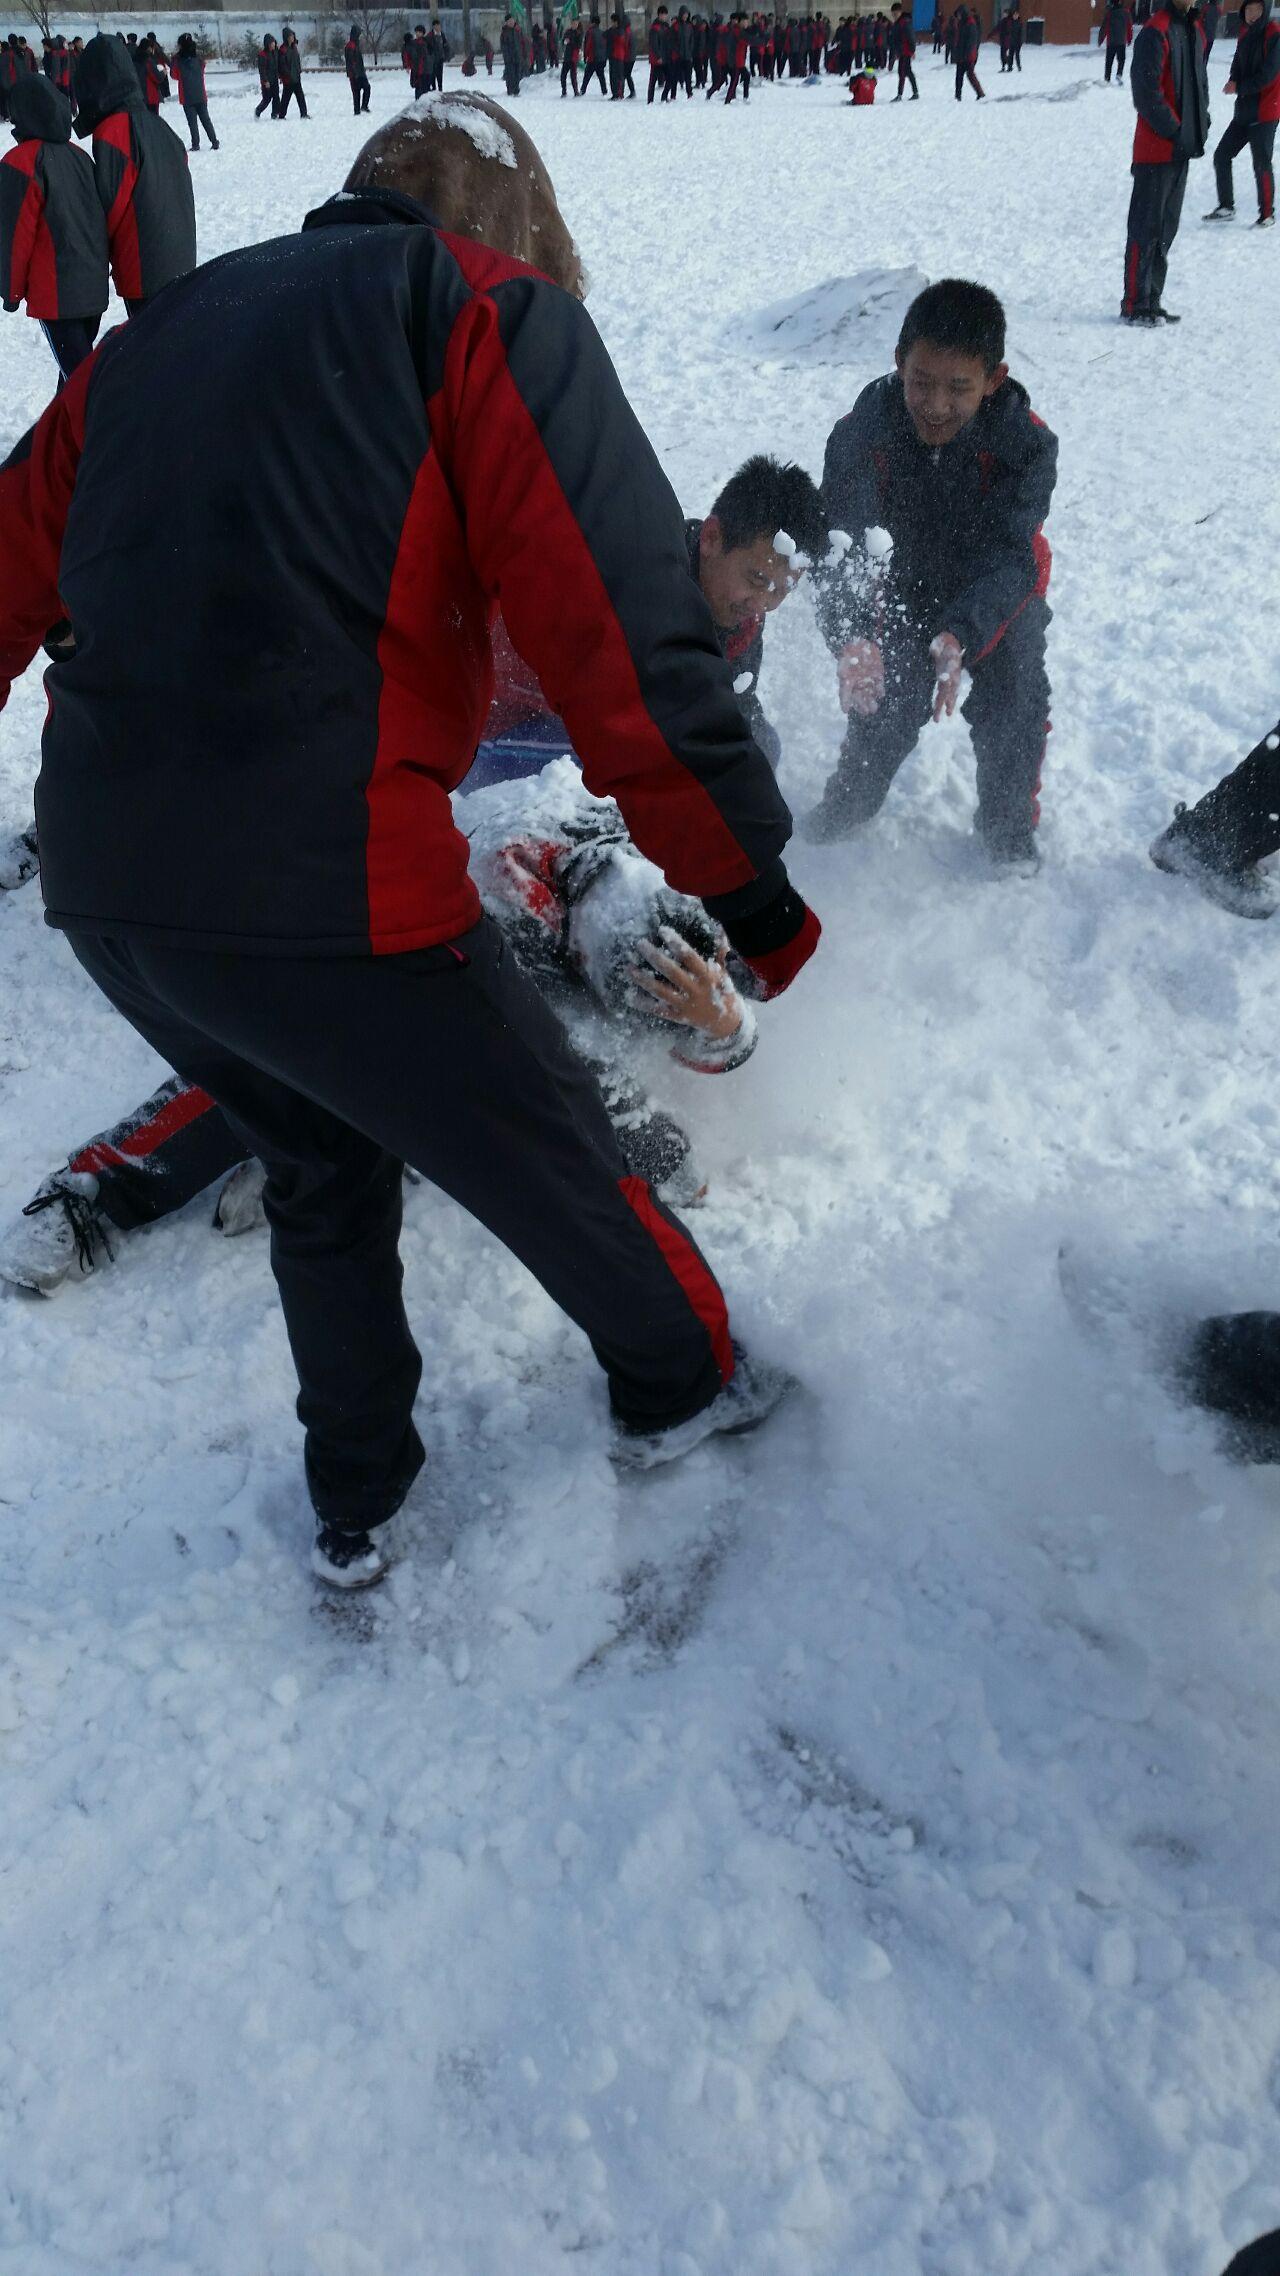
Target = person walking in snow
(570,50)
(189,65)
(1255,83)
(1220,843)
(511,57)
(902,48)
(268,77)
(357,76)
(1117,32)
(53,234)
(946,456)
(328,976)
(595,54)
(660,57)
(1170,88)
(143,178)
(291,74)
(968,40)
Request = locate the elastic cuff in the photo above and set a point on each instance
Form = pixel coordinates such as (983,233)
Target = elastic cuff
(778,968)
(727,908)
(759,932)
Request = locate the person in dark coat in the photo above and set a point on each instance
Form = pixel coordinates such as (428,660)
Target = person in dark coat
(1220,843)
(1117,31)
(189,65)
(1011,40)
(1255,83)
(12,68)
(1170,87)
(437,55)
(968,40)
(660,57)
(1210,18)
(538,42)
(419,63)
(269,77)
(144,181)
(570,51)
(619,41)
(291,74)
(595,54)
(53,235)
(902,48)
(349,1007)
(357,76)
(512,59)
(946,455)
(939,31)
(155,72)
(739,59)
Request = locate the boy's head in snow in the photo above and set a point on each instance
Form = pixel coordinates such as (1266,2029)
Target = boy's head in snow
(950,357)
(765,527)
(480,176)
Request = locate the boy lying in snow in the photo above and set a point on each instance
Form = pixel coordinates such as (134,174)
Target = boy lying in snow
(621,956)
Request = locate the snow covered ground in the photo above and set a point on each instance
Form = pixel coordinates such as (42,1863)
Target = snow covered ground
(859,1852)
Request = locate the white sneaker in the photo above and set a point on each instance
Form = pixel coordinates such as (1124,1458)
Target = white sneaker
(59,1236)
(352,1560)
(19,859)
(748,1399)
(239,1205)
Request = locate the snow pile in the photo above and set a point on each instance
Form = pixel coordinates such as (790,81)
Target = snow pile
(845,316)
(461,110)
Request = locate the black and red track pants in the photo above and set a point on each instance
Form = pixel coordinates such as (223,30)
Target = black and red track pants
(1259,139)
(335,1072)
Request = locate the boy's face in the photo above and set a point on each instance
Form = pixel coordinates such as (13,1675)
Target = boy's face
(742,581)
(944,389)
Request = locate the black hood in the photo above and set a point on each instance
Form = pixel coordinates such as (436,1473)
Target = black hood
(107,82)
(38,110)
(369,204)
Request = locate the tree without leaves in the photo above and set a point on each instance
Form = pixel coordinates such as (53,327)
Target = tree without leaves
(373,25)
(37,12)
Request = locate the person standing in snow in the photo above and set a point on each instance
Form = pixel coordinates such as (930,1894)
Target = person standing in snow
(326,972)
(357,76)
(595,51)
(1170,88)
(511,59)
(155,72)
(291,74)
(53,235)
(571,49)
(946,456)
(968,40)
(437,55)
(1255,83)
(189,65)
(660,57)
(902,48)
(1220,843)
(268,78)
(1117,32)
(739,71)
(144,181)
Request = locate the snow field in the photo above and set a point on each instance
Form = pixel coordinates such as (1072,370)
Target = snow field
(858,1850)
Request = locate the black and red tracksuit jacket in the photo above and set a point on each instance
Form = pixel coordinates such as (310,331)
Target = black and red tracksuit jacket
(659,47)
(966,521)
(1255,72)
(269,70)
(191,82)
(53,239)
(1169,83)
(144,181)
(338,574)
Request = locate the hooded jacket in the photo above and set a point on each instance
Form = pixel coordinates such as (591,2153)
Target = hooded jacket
(188,64)
(965,520)
(1169,82)
(53,239)
(339,587)
(144,181)
(1255,71)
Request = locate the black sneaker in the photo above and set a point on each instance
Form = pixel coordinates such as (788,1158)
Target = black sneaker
(1181,852)
(1142,317)
(1165,315)
(350,1560)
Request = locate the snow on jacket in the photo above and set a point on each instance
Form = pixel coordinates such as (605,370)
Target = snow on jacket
(966,520)
(1169,82)
(557,871)
(342,618)
(53,238)
(1255,71)
(143,178)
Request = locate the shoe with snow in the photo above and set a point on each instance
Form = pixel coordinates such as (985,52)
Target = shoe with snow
(59,1236)
(239,1205)
(19,859)
(1222,213)
(753,1392)
(352,1560)
(1181,852)
(1265,221)
(1013,853)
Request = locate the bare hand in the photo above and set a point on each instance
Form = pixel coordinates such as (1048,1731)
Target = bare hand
(689,990)
(860,674)
(947,658)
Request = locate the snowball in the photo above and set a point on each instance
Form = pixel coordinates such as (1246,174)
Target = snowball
(743,682)
(1273,742)
(841,543)
(783,544)
(879,544)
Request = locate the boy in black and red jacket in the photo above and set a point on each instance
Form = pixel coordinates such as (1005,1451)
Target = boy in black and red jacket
(144,182)
(192,94)
(902,48)
(941,476)
(1169,83)
(1255,83)
(53,238)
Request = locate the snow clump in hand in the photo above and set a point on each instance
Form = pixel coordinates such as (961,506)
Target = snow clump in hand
(879,544)
(841,544)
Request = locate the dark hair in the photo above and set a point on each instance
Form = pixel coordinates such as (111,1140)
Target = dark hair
(954,314)
(763,497)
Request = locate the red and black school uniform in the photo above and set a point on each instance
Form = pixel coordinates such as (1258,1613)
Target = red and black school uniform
(595,54)
(53,237)
(1255,75)
(193,94)
(143,179)
(357,76)
(1169,83)
(571,50)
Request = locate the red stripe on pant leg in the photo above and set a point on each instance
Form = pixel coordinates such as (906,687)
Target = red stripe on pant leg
(699,1285)
(1131,281)
(175,1115)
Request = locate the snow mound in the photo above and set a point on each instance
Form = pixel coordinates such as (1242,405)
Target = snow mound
(464,112)
(831,320)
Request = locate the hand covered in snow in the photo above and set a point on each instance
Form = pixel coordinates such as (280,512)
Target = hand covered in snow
(688,989)
(947,658)
(860,673)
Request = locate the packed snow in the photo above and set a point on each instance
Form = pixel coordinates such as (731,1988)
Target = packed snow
(859,1849)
